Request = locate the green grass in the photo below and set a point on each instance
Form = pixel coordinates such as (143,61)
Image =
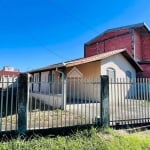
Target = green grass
(103,139)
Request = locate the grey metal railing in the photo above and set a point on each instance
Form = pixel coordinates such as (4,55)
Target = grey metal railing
(82,104)
(129,101)
(73,102)
(8,103)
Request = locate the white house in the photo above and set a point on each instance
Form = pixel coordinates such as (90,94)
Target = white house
(115,64)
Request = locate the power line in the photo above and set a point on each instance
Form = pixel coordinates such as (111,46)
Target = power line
(50,50)
(53,52)
(74,18)
(46,48)
(60,7)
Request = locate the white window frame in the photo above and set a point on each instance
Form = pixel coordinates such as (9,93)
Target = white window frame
(110,72)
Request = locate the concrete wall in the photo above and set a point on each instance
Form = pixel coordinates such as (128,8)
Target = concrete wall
(85,87)
(120,64)
(88,70)
(55,101)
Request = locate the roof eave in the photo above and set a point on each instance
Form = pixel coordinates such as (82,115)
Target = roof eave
(47,68)
(132,61)
(93,58)
(119,28)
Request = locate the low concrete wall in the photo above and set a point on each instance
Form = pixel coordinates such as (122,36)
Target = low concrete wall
(56,101)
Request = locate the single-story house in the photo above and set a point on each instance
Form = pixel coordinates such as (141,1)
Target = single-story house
(50,79)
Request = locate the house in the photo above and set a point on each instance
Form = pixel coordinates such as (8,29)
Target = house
(135,38)
(50,80)
(101,64)
(8,76)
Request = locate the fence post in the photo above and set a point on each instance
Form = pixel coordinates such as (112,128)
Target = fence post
(105,101)
(22,103)
(64,92)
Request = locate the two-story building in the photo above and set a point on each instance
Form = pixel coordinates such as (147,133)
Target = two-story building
(134,38)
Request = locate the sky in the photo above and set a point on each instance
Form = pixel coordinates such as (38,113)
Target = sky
(38,33)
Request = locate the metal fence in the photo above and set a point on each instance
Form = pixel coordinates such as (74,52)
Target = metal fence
(82,103)
(72,102)
(8,103)
(129,101)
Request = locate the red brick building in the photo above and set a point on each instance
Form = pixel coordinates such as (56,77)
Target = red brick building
(135,38)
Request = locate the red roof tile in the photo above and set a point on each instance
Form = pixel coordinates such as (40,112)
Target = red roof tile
(103,56)
(9,73)
(93,58)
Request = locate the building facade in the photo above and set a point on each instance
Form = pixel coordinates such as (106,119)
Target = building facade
(8,77)
(135,38)
(50,80)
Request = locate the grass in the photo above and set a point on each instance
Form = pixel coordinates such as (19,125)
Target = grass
(94,139)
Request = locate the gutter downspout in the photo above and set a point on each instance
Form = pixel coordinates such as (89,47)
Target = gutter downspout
(64,87)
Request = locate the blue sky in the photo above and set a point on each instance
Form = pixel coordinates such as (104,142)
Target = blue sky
(37,33)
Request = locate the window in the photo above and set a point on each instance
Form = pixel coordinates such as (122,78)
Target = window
(128,74)
(111,74)
(50,76)
(36,77)
(44,77)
